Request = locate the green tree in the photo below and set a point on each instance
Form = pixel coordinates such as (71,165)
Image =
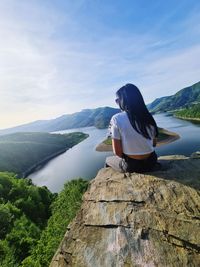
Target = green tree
(23,237)
(24,212)
(7,258)
(8,213)
(64,210)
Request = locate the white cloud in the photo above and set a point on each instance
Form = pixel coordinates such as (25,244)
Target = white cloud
(47,70)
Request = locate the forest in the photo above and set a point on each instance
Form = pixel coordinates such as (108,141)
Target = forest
(190,112)
(33,220)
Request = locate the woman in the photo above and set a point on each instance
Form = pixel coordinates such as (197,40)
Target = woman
(134,133)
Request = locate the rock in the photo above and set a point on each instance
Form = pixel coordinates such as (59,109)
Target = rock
(127,220)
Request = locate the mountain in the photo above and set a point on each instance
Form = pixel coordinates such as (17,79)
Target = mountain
(98,117)
(137,219)
(182,99)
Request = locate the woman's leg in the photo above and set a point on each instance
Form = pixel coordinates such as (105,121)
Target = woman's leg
(131,165)
(116,163)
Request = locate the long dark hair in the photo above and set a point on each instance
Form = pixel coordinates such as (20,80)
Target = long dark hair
(131,101)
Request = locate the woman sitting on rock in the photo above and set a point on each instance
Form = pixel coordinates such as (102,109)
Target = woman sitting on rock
(133,132)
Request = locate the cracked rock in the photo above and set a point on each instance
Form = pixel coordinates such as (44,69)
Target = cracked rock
(137,220)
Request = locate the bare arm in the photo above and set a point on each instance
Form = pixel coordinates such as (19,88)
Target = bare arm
(117,147)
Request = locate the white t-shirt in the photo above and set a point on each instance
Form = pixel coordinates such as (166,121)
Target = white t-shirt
(133,143)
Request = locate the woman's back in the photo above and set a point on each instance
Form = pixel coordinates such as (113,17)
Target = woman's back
(133,143)
(132,131)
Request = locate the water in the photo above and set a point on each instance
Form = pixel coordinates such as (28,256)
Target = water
(189,132)
(83,161)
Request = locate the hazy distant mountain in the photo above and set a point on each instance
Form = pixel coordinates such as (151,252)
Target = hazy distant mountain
(182,99)
(98,117)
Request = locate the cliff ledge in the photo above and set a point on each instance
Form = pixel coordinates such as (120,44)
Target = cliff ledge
(137,219)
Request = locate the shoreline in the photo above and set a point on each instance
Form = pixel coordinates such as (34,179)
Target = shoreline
(171,137)
(186,118)
(40,164)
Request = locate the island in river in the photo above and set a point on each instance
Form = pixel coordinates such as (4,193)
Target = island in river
(24,152)
(164,137)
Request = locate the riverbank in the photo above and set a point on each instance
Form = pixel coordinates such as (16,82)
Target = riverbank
(167,137)
(40,164)
(186,118)
(170,137)
(23,153)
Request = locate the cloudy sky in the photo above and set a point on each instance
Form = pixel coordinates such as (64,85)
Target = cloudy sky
(60,56)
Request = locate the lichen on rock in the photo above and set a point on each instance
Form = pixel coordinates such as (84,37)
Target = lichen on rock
(133,219)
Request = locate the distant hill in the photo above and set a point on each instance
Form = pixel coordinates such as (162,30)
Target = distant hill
(182,99)
(22,153)
(98,117)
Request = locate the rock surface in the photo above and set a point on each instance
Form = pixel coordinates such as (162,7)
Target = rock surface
(137,219)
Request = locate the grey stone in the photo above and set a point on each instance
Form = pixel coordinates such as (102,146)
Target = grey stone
(126,220)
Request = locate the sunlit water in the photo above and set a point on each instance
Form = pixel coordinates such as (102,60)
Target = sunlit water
(83,161)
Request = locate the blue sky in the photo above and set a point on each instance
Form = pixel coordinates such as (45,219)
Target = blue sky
(58,57)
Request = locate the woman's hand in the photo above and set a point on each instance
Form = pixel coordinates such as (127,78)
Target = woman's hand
(117,147)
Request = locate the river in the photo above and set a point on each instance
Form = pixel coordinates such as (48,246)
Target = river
(83,161)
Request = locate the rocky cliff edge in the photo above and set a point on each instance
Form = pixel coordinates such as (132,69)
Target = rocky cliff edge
(137,219)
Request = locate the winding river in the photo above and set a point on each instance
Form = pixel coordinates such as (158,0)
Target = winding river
(83,161)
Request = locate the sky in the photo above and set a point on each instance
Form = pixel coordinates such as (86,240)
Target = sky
(61,56)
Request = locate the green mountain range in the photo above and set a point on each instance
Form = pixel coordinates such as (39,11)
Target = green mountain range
(184,98)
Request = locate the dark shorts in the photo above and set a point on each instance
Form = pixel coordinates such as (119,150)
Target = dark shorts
(127,164)
(136,165)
